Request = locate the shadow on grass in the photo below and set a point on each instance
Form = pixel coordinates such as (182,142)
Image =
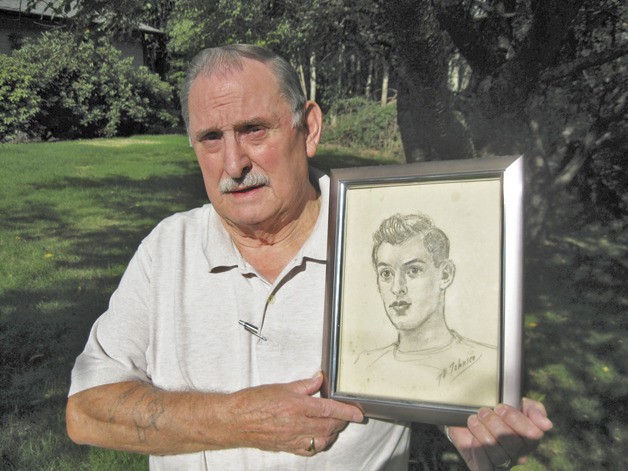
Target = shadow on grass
(45,322)
(576,347)
(575,326)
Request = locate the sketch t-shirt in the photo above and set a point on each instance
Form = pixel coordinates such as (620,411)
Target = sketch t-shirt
(462,372)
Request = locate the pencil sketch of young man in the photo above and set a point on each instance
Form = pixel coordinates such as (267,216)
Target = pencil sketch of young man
(411,259)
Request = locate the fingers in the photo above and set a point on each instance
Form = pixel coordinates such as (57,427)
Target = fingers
(503,436)
(327,417)
(330,409)
(307,387)
(528,433)
(285,417)
(497,442)
(464,441)
(324,408)
(316,445)
(536,412)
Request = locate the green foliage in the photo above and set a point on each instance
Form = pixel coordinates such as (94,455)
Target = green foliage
(363,124)
(224,22)
(18,103)
(79,88)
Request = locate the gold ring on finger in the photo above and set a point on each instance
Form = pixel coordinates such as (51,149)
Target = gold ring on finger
(312,447)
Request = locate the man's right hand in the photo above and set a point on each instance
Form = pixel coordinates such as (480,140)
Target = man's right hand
(284,417)
(135,416)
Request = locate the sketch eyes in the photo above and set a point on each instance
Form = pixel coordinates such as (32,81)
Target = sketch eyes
(387,274)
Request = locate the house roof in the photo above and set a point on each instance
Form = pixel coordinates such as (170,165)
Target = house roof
(48,10)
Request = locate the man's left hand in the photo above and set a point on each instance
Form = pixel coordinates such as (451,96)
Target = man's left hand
(497,439)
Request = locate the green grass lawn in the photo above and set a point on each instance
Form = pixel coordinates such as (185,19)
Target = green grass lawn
(72,214)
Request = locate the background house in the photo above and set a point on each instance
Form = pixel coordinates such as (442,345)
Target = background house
(18,22)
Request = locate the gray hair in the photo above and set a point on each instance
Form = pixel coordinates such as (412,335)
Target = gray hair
(399,228)
(227,58)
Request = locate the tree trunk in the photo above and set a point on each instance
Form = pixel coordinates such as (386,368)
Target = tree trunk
(352,75)
(341,58)
(386,74)
(313,76)
(357,75)
(302,78)
(429,128)
(369,80)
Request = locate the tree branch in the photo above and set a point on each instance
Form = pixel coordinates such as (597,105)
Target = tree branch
(477,40)
(594,60)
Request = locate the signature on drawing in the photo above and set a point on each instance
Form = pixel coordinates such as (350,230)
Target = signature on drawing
(456,368)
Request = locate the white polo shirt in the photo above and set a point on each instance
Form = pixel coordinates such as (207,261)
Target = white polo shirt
(173,322)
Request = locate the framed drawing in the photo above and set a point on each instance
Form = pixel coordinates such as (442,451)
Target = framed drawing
(424,289)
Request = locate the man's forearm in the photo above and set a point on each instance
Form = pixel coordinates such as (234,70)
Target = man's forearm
(135,416)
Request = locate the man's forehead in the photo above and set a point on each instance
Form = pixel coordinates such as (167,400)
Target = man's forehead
(254,87)
(235,69)
(247,95)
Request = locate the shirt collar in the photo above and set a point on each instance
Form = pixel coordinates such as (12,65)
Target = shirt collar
(222,254)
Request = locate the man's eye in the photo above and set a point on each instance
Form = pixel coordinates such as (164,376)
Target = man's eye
(254,130)
(212,136)
(385,274)
(414,270)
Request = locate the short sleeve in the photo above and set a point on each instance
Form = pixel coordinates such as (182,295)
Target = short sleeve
(117,344)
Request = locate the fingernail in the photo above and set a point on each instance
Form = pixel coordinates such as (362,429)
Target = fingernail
(484,412)
(500,410)
(546,421)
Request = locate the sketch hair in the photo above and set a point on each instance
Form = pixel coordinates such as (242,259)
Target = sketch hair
(229,58)
(398,228)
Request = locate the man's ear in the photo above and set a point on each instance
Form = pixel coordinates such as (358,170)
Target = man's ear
(313,123)
(447,274)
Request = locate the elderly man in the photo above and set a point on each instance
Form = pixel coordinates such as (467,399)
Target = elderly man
(208,355)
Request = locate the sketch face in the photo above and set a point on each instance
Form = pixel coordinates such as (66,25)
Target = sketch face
(411,286)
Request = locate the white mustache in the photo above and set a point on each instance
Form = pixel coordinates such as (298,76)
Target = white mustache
(227,185)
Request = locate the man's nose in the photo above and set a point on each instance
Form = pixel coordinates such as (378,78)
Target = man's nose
(236,161)
(399,285)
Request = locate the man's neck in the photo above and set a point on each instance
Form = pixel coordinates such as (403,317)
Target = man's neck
(269,252)
(431,335)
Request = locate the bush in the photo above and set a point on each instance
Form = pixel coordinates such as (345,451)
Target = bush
(18,103)
(364,124)
(79,88)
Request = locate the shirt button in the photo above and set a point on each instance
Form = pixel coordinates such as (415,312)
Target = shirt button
(271,299)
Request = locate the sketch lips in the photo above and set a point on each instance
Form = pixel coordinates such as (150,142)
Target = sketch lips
(400,307)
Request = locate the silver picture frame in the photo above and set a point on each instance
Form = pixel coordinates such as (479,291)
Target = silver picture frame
(411,334)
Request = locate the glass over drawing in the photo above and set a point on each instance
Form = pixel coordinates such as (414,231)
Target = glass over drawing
(421,292)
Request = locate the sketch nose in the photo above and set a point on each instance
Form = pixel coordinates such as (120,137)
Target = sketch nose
(399,285)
